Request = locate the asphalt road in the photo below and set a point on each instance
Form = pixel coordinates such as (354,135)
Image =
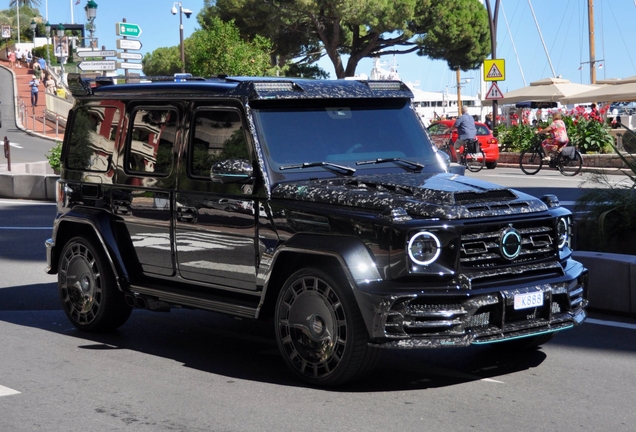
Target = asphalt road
(200,371)
(24,147)
(550,181)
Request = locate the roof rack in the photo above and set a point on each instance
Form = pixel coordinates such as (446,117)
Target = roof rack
(83,84)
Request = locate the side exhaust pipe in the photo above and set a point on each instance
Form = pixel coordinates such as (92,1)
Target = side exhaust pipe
(149,303)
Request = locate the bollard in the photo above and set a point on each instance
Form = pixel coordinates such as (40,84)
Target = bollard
(33,128)
(57,125)
(7,152)
(44,122)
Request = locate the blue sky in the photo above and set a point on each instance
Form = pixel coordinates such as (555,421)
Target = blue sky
(563,24)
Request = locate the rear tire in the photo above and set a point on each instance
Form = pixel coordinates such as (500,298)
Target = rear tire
(491,165)
(530,161)
(320,331)
(88,289)
(570,167)
(475,161)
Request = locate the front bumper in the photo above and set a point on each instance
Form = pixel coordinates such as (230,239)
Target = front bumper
(480,315)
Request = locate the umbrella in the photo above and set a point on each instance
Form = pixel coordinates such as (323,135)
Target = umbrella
(546,90)
(623,90)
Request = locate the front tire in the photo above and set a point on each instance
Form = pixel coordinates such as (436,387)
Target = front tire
(320,331)
(530,161)
(87,288)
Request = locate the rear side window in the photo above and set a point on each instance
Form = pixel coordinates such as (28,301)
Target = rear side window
(217,136)
(92,140)
(151,141)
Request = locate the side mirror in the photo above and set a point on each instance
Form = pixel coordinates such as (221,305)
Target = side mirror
(232,171)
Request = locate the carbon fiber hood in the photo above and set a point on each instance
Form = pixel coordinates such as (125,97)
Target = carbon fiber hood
(442,196)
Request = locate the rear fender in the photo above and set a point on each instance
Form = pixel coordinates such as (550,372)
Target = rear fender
(95,226)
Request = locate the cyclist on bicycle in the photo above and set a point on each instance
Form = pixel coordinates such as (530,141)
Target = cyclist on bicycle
(465,125)
(558,136)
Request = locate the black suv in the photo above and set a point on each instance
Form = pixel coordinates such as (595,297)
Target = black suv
(320,205)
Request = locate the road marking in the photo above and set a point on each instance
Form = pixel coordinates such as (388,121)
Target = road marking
(6,391)
(16,145)
(611,323)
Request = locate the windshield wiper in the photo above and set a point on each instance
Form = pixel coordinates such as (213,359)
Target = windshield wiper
(332,166)
(415,166)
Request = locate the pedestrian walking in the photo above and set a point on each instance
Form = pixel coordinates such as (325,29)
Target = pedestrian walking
(29,58)
(12,59)
(42,63)
(37,71)
(34,84)
(49,83)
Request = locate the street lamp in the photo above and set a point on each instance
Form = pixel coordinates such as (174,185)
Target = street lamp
(34,25)
(47,27)
(187,13)
(91,14)
(60,35)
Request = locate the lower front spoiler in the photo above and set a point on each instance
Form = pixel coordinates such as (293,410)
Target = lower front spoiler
(488,336)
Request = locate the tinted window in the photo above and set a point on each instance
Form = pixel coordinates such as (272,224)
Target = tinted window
(342,132)
(217,135)
(151,142)
(92,140)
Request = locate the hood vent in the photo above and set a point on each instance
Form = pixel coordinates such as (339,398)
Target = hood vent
(493,195)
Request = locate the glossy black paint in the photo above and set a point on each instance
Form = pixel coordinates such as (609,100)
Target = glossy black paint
(223,245)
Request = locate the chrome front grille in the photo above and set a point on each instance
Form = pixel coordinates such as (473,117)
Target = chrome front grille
(481,245)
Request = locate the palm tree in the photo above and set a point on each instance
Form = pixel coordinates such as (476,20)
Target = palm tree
(28,3)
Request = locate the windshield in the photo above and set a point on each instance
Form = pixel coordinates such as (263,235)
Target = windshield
(342,132)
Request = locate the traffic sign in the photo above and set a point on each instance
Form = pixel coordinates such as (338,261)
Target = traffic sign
(494,70)
(106,53)
(128,44)
(130,56)
(494,93)
(125,65)
(128,29)
(103,65)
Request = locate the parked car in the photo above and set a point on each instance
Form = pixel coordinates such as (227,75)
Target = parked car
(347,231)
(489,144)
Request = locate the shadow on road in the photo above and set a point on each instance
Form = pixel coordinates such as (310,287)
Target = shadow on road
(247,350)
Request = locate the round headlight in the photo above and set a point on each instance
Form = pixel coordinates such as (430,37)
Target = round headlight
(424,248)
(563,232)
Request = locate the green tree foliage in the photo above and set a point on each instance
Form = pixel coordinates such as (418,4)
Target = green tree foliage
(456,31)
(217,50)
(27,13)
(162,61)
(220,50)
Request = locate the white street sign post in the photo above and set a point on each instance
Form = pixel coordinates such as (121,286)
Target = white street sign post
(130,56)
(107,53)
(103,65)
(124,65)
(128,44)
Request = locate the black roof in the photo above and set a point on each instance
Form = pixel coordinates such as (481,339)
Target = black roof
(253,88)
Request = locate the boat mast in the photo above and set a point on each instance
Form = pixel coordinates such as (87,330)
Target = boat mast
(590,21)
(541,37)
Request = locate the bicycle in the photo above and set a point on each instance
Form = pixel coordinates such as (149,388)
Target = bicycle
(568,161)
(471,155)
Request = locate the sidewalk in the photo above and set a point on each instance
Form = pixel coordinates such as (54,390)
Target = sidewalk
(22,92)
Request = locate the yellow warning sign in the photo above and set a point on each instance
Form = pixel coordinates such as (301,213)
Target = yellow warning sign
(494,70)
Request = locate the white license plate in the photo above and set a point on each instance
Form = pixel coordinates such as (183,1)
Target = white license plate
(530,300)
